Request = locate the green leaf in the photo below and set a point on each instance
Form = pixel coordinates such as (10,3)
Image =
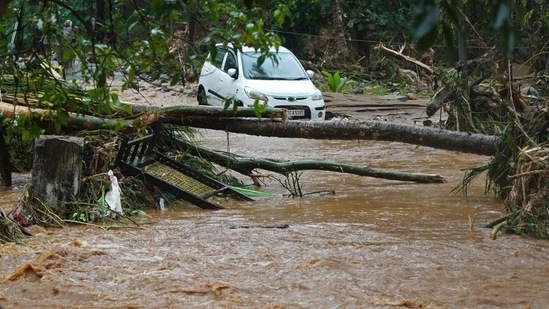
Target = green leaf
(279,16)
(503,14)
(139,213)
(115,99)
(427,40)
(260,60)
(235,106)
(427,14)
(132,25)
(448,36)
(259,108)
(175,79)
(507,39)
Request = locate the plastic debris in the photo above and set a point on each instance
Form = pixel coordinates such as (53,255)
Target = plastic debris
(161,203)
(113,196)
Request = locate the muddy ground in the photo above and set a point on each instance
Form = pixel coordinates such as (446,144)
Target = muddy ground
(394,108)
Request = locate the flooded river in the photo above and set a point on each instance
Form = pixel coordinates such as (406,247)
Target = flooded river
(375,243)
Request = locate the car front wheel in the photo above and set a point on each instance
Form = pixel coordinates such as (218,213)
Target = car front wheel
(201,97)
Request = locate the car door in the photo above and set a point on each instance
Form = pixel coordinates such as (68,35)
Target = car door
(226,81)
(210,77)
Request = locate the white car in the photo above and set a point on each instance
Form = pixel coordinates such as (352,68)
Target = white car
(284,83)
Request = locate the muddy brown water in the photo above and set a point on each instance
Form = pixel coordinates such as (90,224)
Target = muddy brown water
(373,244)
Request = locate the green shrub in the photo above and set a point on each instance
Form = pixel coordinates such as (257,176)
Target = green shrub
(336,83)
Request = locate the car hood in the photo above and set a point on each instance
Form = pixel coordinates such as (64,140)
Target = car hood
(283,87)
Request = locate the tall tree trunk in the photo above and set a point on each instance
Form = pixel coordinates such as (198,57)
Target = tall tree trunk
(4,5)
(5,162)
(100,17)
(339,28)
(462,49)
(463,106)
(191,35)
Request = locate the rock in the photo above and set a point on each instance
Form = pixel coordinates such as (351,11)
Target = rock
(379,118)
(164,78)
(393,96)
(529,90)
(411,96)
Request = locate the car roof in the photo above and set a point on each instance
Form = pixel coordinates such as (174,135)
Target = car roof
(251,49)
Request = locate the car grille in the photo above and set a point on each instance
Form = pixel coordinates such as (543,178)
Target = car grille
(297,107)
(291,99)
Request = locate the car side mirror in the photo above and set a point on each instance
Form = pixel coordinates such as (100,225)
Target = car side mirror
(232,72)
(310,73)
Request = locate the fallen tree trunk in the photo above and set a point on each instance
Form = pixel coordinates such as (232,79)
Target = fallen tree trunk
(78,122)
(364,130)
(177,112)
(173,113)
(245,166)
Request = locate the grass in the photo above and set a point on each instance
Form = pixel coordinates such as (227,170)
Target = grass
(377,90)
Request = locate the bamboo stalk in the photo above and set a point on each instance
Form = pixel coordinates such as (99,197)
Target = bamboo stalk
(500,219)
(246,165)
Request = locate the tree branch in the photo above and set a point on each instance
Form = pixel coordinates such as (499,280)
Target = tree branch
(398,55)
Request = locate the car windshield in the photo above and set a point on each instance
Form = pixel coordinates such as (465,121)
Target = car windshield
(285,68)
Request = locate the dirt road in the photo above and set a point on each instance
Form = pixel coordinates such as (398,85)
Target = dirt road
(369,107)
(392,108)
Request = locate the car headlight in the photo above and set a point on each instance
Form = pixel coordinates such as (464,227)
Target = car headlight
(317,95)
(254,94)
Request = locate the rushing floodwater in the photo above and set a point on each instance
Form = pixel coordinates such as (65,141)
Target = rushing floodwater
(375,243)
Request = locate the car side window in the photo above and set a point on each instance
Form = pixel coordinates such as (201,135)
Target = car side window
(230,62)
(218,60)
